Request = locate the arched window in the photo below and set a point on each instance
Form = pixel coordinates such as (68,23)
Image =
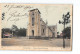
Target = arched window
(33,14)
(33,21)
(43,30)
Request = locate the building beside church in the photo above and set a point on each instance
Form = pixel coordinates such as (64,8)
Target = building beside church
(38,28)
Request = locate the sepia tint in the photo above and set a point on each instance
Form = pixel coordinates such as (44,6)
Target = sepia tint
(36,27)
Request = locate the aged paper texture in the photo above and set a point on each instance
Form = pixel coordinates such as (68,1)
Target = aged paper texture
(36,27)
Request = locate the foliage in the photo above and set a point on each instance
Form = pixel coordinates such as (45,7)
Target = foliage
(21,32)
(67,32)
(15,31)
(14,28)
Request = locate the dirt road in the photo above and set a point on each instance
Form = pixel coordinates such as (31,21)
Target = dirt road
(34,42)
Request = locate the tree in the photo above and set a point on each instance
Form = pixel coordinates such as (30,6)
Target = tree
(21,32)
(14,29)
(6,30)
(66,20)
(67,32)
(57,32)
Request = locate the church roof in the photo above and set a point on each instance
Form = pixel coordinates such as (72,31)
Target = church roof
(35,9)
(52,28)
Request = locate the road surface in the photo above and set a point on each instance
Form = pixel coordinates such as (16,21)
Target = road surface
(34,42)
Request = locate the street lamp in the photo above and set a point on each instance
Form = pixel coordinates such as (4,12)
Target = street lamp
(64,22)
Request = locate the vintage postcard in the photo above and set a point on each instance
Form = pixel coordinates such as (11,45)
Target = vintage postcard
(36,27)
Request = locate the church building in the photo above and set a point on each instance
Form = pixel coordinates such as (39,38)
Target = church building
(38,28)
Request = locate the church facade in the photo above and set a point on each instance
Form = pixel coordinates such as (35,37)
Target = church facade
(38,28)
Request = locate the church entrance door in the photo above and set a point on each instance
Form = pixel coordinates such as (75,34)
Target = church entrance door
(32,32)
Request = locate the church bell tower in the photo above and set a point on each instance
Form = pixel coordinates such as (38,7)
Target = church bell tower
(34,23)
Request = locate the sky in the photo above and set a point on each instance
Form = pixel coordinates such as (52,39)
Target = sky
(18,14)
